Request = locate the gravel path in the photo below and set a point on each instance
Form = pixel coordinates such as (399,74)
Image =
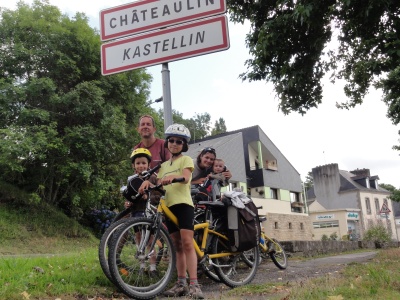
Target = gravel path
(297,271)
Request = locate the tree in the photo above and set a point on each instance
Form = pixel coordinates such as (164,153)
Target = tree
(67,131)
(309,181)
(395,193)
(288,42)
(219,127)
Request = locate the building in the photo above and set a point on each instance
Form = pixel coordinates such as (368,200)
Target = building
(348,203)
(263,172)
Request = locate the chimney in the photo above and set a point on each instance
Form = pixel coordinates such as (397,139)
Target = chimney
(361,172)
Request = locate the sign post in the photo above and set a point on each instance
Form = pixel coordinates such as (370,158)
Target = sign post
(161,40)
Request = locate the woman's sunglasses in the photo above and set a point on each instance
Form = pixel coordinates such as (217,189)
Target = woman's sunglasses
(208,150)
(178,142)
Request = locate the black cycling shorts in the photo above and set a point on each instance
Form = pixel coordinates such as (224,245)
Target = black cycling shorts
(185,215)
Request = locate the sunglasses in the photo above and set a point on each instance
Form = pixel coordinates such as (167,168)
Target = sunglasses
(178,142)
(208,149)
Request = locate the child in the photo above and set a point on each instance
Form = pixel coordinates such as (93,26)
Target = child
(141,159)
(215,180)
(179,201)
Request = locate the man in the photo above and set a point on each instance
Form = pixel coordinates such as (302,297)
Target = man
(146,129)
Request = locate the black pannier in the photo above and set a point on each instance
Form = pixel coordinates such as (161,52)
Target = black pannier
(243,227)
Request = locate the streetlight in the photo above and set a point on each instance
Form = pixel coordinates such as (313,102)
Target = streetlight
(158,100)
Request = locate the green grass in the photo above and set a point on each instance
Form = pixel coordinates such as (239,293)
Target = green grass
(54,257)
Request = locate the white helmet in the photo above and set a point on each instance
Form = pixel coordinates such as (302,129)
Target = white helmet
(178,130)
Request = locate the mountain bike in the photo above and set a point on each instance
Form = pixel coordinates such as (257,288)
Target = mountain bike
(119,220)
(214,251)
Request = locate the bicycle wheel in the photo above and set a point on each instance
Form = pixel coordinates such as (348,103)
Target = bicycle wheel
(233,269)
(104,247)
(130,253)
(248,257)
(278,255)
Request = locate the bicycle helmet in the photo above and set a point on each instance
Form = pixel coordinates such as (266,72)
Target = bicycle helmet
(178,130)
(141,152)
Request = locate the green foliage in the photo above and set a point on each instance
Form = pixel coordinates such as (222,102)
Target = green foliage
(394,193)
(219,127)
(377,233)
(324,237)
(67,130)
(333,236)
(291,44)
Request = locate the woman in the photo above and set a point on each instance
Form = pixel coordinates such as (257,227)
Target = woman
(203,166)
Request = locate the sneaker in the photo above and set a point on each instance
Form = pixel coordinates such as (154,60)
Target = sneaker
(195,291)
(177,290)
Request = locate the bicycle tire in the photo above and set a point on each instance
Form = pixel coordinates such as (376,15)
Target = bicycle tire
(248,257)
(125,261)
(279,256)
(233,269)
(104,246)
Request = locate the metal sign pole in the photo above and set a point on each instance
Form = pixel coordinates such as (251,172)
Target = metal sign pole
(166,96)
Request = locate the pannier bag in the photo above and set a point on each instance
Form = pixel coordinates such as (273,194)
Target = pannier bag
(243,227)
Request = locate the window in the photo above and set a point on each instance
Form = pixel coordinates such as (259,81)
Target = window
(329,224)
(301,226)
(377,207)
(273,193)
(294,197)
(368,206)
(386,202)
(276,225)
(290,225)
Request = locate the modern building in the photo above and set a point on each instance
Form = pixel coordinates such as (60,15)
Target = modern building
(348,203)
(260,169)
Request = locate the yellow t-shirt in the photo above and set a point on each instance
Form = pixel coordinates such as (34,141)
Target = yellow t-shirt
(178,192)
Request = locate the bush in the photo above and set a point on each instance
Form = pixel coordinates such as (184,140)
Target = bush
(100,219)
(333,236)
(378,234)
(324,238)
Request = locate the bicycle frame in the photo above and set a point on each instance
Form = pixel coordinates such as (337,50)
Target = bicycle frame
(200,251)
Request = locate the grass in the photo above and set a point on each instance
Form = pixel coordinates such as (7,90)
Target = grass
(52,257)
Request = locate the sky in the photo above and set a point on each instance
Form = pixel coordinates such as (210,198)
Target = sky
(361,137)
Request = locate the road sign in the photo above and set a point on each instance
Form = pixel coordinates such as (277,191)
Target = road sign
(170,44)
(140,16)
(385,209)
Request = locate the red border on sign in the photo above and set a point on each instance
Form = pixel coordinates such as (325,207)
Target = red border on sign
(223,46)
(104,12)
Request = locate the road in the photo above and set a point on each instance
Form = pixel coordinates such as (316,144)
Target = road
(297,271)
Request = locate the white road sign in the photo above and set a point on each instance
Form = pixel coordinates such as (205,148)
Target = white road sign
(170,44)
(140,16)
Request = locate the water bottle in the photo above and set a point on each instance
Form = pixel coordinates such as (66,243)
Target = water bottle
(262,241)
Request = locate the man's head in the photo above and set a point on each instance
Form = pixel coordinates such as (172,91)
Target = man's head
(147,127)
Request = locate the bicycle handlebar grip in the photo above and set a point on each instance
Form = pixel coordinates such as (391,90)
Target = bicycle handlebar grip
(151,171)
(181,179)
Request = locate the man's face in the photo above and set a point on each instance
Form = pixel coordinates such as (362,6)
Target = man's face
(146,128)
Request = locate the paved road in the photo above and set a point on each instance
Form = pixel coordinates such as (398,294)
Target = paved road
(297,271)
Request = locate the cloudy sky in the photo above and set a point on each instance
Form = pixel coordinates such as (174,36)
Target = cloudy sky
(358,138)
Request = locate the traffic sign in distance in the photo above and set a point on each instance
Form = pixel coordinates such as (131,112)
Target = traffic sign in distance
(385,209)
(165,45)
(141,16)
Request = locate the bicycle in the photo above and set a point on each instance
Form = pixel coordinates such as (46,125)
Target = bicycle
(269,248)
(119,220)
(213,251)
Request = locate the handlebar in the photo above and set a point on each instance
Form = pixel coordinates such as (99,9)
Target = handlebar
(158,187)
(148,173)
